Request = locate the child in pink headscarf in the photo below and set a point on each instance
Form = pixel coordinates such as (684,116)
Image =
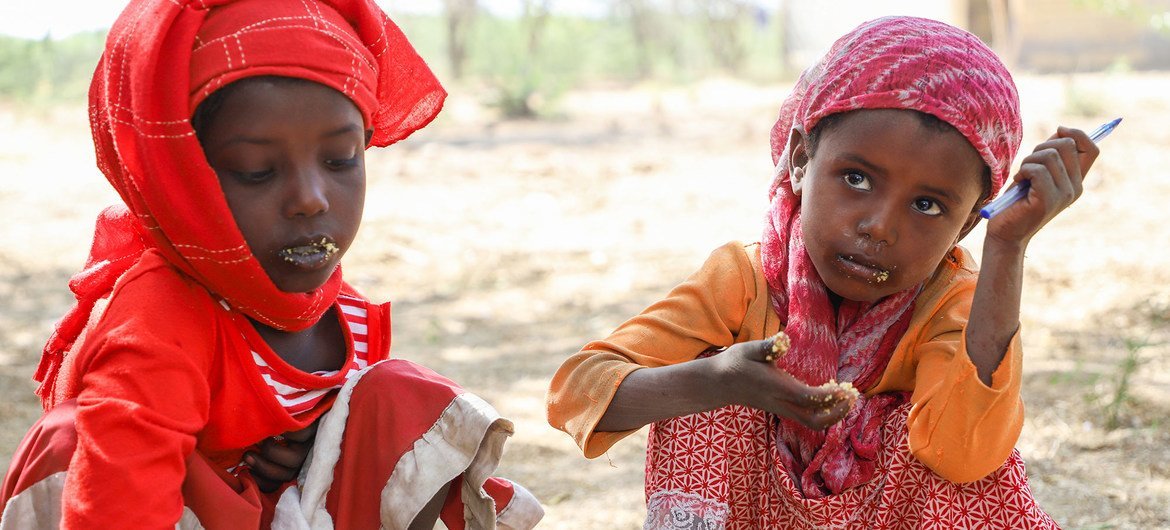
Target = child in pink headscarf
(885,151)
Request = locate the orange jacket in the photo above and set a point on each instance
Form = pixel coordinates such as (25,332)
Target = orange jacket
(959,427)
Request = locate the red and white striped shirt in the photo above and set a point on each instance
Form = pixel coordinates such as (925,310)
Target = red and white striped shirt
(296,399)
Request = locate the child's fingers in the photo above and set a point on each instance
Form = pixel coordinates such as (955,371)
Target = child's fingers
(824,415)
(827,417)
(814,406)
(1087,151)
(303,435)
(265,485)
(1050,186)
(279,461)
(817,406)
(265,469)
(767,350)
(757,350)
(288,455)
(1061,158)
(815,397)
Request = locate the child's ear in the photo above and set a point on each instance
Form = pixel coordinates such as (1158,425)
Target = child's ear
(797,159)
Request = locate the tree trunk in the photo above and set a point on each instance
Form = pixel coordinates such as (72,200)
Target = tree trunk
(460,15)
(723,20)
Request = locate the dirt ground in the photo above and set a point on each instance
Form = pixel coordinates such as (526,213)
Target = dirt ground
(506,245)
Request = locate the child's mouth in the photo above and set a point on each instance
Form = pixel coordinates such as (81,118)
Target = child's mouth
(858,267)
(311,255)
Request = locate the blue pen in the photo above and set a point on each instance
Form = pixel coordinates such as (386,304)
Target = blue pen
(1019,191)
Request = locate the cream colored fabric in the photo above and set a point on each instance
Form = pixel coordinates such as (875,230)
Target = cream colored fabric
(468,438)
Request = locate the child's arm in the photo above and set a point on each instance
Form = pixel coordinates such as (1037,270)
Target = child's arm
(647,370)
(137,419)
(738,376)
(142,397)
(959,427)
(1056,169)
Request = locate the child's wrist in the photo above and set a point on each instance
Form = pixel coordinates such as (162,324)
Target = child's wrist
(721,381)
(997,248)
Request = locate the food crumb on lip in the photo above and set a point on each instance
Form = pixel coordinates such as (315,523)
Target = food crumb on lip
(879,274)
(324,246)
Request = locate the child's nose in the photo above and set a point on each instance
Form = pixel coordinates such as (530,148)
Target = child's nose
(880,226)
(307,194)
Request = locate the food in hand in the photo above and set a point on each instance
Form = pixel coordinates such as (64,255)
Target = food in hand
(844,388)
(780,345)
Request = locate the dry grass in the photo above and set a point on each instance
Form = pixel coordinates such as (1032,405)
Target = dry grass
(505,246)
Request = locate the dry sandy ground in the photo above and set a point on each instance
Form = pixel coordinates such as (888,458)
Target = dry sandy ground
(505,246)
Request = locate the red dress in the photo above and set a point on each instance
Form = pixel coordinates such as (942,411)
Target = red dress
(164,395)
(721,469)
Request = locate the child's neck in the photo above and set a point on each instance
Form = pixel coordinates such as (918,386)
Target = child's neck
(835,299)
(321,347)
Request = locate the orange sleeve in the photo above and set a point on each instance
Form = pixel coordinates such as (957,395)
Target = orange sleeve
(959,427)
(707,310)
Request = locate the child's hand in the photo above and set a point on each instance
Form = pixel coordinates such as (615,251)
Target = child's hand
(280,459)
(756,382)
(1056,170)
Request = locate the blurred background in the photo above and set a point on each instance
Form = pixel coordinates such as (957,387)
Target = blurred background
(592,153)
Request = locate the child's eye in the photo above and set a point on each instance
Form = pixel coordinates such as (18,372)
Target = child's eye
(857,180)
(342,163)
(928,206)
(252,177)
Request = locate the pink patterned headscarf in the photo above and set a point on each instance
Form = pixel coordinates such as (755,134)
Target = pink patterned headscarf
(888,63)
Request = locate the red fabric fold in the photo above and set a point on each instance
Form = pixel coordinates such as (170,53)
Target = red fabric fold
(117,244)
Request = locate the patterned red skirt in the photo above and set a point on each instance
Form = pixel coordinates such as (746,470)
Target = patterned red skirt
(721,469)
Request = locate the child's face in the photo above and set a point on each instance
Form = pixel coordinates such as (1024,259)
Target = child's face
(290,160)
(883,199)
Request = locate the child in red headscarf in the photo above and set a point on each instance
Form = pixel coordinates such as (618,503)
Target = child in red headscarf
(214,345)
(885,152)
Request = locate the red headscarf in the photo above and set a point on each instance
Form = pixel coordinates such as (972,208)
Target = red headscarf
(162,58)
(888,63)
